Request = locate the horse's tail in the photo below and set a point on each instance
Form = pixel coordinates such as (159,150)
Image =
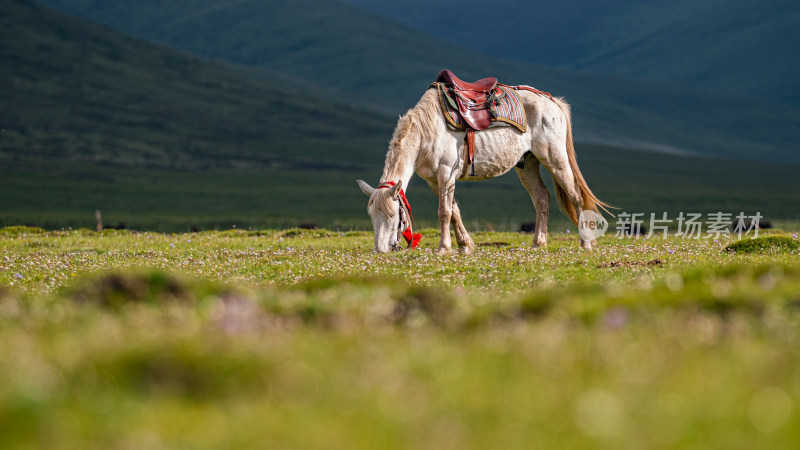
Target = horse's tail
(590,201)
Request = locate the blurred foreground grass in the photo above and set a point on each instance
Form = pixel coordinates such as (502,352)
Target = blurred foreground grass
(305,339)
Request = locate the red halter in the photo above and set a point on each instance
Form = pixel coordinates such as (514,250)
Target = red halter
(412,239)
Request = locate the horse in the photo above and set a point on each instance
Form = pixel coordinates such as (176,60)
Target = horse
(422,143)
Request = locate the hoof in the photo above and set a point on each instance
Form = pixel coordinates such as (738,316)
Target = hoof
(466,250)
(442,251)
(537,244)
(586,245)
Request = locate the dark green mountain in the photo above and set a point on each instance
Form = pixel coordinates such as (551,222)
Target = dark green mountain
(73,90)
(743,47)
(364,55)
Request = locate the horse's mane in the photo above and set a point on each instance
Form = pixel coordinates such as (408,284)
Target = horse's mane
(416,125)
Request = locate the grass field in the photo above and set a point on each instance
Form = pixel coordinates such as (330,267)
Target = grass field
(254,333)
(306,339)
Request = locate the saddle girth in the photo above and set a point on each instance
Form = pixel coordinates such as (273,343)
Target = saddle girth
(469,141)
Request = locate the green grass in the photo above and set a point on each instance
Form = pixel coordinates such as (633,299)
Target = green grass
(765,244)
(306,339)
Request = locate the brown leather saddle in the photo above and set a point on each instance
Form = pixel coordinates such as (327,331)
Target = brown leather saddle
(474,100)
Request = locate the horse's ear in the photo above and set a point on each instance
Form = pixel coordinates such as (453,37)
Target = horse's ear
(395,189)
(367,189)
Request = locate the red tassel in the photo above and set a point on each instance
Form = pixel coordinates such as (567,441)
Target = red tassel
(412,239)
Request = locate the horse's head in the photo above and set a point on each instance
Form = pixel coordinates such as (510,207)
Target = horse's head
(384,209)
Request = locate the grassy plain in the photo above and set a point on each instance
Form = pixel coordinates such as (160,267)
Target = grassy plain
(306,339)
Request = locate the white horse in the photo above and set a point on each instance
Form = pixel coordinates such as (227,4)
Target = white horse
(423,143)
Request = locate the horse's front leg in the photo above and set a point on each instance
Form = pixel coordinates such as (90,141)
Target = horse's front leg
(446,191)
(465,243)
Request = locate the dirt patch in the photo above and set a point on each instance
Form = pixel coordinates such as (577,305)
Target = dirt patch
(613,264)
(117,289)
(493,244)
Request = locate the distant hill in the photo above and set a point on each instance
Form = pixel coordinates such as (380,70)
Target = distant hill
(743,47)
(74,90)
(366,56)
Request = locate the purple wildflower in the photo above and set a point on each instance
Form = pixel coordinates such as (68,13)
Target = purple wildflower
(18,275)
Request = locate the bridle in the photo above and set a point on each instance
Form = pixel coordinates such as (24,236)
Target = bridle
(405,227)
(403,224)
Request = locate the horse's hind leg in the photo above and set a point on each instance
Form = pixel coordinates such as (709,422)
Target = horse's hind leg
(532,181)
(562,174)
(465,244)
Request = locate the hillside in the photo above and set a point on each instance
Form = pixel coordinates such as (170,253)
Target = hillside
(73,90)
(743,47)
(56,195)
(365,55)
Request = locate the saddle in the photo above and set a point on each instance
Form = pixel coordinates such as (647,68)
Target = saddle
(476,106)
(473,100)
